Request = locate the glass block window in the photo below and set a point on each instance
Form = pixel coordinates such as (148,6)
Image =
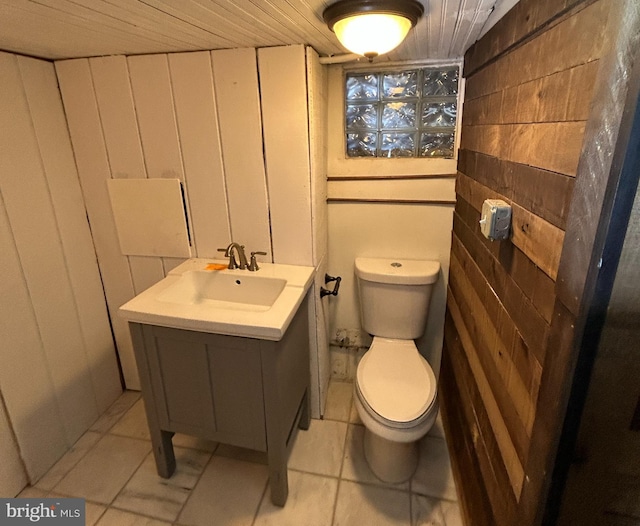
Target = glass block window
(408,113)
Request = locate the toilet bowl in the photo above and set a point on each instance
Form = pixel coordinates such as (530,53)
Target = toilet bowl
(396,399)
(396,393)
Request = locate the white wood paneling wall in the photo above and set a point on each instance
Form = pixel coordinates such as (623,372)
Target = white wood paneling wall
(86,130)
(283,92)
(320,357)
(293,95)
(157,126)
(59,369)
(198,117)
(235,76)
(318,107)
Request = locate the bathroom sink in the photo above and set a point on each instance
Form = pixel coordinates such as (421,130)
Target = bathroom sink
(258,304)
(224,289)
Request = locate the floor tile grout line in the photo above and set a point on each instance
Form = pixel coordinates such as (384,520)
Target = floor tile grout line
(103,434)
(115,507)
(265,491)
(148,439)
(109,432)
(381,484)
(121,488)
(335,502)
(344,453)
(130,477)
(124,412)
(211,454)
(137,513)
(67,496)
(143,439)
(72,466)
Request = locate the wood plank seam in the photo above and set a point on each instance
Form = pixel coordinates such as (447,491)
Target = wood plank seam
(480,445)
(561,24)
(500,306)
(494,355)
(490,470)
(514,468)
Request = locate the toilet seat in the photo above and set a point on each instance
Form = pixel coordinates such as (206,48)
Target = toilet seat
(396,384)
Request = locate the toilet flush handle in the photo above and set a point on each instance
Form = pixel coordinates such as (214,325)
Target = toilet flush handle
(328,279)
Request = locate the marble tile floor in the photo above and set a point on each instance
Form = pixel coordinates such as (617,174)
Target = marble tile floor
(330,484)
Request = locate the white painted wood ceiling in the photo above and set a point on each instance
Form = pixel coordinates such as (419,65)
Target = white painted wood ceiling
(58,29)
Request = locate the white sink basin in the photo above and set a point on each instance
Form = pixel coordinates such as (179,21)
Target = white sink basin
(224,289)
(257,304)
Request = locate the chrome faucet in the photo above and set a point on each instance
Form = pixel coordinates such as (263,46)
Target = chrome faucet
(253,265)
(228,253)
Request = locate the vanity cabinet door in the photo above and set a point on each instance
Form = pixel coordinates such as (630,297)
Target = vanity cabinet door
(236,381)
(180,373)
(207,385)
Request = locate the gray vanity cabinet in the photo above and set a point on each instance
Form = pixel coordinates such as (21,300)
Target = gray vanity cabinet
(240,391)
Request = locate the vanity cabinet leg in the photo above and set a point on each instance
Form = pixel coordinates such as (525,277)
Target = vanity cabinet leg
(163,452)
(278,478)
(277,456)
(160,440)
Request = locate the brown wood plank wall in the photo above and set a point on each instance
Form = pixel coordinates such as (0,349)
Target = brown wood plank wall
(530,82)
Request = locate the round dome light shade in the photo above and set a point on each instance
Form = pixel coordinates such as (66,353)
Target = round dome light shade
(372,27)
(372,34)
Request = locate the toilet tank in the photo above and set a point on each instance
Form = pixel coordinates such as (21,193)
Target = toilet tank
(394,295)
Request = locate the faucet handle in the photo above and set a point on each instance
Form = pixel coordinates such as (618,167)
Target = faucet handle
(253,265)
(233,264)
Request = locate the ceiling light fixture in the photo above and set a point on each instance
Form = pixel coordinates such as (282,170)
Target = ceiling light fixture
(372,27)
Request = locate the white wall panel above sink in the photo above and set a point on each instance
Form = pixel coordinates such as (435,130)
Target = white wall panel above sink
(150,217)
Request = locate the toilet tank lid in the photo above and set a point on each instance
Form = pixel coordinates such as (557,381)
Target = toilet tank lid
(397,271)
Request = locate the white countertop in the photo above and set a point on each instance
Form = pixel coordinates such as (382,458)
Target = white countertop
(234,320)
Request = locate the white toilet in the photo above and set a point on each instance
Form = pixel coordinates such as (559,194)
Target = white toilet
(395,388)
